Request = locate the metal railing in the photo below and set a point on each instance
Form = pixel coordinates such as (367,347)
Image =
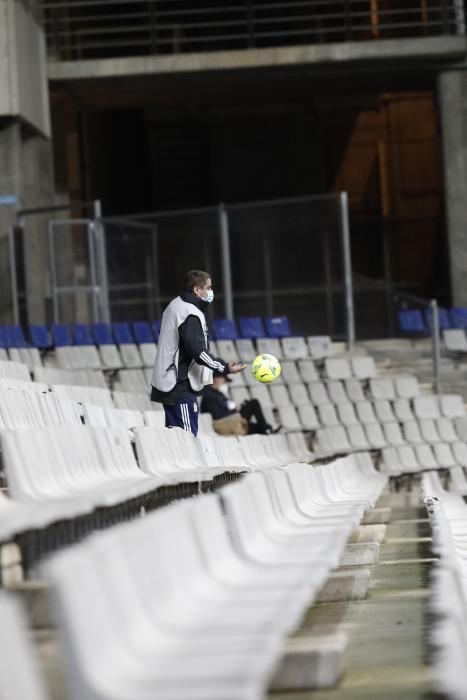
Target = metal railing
(83,29)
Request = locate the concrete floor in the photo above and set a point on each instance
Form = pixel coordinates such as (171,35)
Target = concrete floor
(388,652)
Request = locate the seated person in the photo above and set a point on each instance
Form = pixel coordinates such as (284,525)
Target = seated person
(230,418)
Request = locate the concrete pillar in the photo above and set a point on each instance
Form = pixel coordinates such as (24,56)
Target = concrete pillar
(452,92)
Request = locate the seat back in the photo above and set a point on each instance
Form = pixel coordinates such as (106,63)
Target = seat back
(277,326)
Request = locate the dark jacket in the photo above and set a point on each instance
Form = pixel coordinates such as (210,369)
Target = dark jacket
(192,347)
(215,403)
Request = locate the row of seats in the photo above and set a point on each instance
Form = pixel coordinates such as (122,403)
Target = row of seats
(448,601)
(217,598)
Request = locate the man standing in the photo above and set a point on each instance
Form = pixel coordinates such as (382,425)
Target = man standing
(184,365)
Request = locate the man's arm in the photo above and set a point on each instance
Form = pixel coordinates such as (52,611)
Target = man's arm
(194,343)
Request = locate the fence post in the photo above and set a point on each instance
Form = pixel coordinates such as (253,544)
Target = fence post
(347,264)
(224,234)
(436,346)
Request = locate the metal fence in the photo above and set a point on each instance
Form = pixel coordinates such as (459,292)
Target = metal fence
(83,29)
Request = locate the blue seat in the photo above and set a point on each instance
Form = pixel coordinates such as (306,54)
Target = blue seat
(102,334)
(82,334)
(225,329)
(251,327)
(278,327)
(39,336)
(3,337)
(443,317)
(122,333)
(156,329)
(15,337)
(412,321)
(458,316)
(142,332)
(61,335)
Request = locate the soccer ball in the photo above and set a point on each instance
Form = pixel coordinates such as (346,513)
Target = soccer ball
(266,368)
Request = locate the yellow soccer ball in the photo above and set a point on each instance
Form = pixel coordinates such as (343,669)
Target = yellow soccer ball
(266,368)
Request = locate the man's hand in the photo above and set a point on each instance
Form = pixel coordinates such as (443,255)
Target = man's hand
(235,367)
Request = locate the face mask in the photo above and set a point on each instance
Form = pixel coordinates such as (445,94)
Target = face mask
(209,296)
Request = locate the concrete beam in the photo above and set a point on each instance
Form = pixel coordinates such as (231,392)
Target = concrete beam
(350,584)
(391,51)
(368,533)
(360,554)
(377,516)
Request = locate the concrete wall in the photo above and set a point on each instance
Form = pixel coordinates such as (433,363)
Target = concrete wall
(23,66)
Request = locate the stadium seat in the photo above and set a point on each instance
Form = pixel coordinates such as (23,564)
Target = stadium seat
(354,390)
(270,346)
(337,392)
(452,405)
(132,400)
(412,321)
(408,459)
(289,418)
(402,410)
(443,319)
(129,351)
(446,430)
(365,412)
(299,447)
(406,386)
(251,327)
(455,340)
(320,346)
(363,367)
(110,356)
(261,393)
(458,317)
(145,338)
(428,430)
(393,434)
(13,340)
(444,456)
(425,457)
(227,350)
(277,326)
(279,395)
(14,370)
(84,340)
(299,394)
(307,416)
(357,437)
(426,407)
(337,368)
(225,329)
(384,412)
(294,348)
(318,393)
(327,415)
(239,394)
(246,351)
(382,388)
(412,432)
(375,436)
(307,370)
(290,373)
(347,415)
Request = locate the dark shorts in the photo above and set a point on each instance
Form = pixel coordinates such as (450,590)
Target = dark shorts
(183,414)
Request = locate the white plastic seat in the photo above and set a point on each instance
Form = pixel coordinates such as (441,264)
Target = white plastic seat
(444,455)
(452,405)
(156,419)
(384,411)
(227,350)
(354,390)
(365,412)
(262,394)
(336,391)
(402,410)
(455,340)
(132,401)
(133,380)
(363,367)
(425,457)
(346,413)
(412,432)
(382,388)
(375,436)
(270,346)
(308,371)
(110,357)
(391,463)
(446,430)
(246,351)
(409,461)
(337,368)
(327,415)
(239,394)
(320,346)
(406,386)
(308,417)
(318,393)
(83,394)
(426,407)
(288,417)
(237,379)
(294,348)
(14,370)
(461,428)
(393,435)
(148,353)
(337,438)
(299,447)
(290,373)
(279,395)
(357,437)
(459,450)
(20,676)
(205,424)
(299,395)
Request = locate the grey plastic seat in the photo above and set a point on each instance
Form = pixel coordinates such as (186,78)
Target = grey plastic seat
(308,417)
(320,346)
(425,457)
(332,441)
(357,437)
(354,390)
(246,351)
(261,393)
(459,450)
(412,432)
(402,410)
(461,428)
(406,386)
(294,348)
(363,367)
(375,436)
(446,430)
(455,340)
(290,373)
(365,412)
(384,412)
(382,388)
(318,393)
(391,463)
(327,415)
(279,395)
(307,369)
(299,394)
(270,346)
(237,379)
(239,394)
(393,434)
(336,391)
(288,417)
(346,413)
(426,407)
(444,455)
(452,405)
(227,350)
(429,431)
(408,459)
(337,368)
